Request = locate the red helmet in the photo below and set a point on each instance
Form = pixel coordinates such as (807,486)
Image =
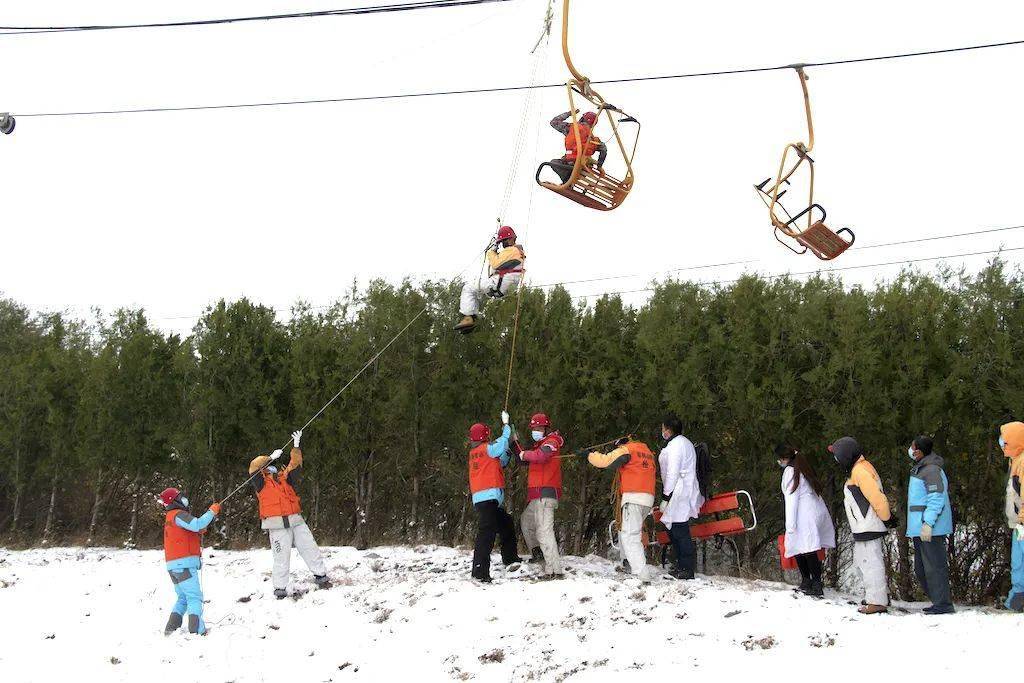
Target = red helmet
(167,496)
(506,233)
(590,118)
(479,432)
(540,420)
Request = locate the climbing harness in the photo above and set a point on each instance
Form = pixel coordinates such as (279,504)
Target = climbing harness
(814,236)
(587,184)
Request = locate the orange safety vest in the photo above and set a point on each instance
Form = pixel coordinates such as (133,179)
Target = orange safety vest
(637,475)
(178,542)
(589,141)
(549,474)
(484,471)
(277,498)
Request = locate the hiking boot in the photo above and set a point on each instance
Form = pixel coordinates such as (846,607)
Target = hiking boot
(805,585)
(1017,602)
(681,574)
(322,582)
(536,556)
(173,623)
(873,609)
(938,610)
(280,593)
(816,590)
(466,325)
(482,578)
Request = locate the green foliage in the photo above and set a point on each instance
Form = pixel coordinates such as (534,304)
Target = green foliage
(744,366)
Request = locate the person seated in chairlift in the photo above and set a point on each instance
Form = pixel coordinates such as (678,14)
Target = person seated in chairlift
(591,143)
(505,259)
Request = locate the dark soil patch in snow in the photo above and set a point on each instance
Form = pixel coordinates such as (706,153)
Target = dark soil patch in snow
(495,656)
(765,643)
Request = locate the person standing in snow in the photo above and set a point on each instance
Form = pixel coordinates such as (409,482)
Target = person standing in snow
(1011,440)
(543,490)
(487,485)
(183,553)
(635,474)
(929,521)
(869,516)
(681,494)
(505,267)
(809,527)
(281,517)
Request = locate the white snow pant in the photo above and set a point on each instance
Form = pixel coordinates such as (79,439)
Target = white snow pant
(474,294)
(538,522)
(870,563)
(281,542)
(630,541)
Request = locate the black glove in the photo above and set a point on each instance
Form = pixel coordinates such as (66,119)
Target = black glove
(892,522)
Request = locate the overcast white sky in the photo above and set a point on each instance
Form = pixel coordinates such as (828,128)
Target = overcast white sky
(172,211)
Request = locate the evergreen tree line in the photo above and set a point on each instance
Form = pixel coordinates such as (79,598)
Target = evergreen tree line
(97,417)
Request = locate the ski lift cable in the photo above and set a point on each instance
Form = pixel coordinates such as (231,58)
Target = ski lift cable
(350,11)
(515,88)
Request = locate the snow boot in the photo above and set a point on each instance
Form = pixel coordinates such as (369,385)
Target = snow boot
(816,590)
(173,623)
(481,578)
(322,582)
(805,585)
(466,325)
(536,556)
(1017,602)
(681,574)
(873,609)
(280,593)
(938,610)
(193,623)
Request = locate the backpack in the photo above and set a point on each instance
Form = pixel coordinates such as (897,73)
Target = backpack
(703,469)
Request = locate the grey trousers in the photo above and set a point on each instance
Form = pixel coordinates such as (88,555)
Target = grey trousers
(630,540)
(538,522)
(932,568)
(870,564)
(281,543)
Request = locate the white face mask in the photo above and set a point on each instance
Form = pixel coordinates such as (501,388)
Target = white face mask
(910,452)
(184,501)
(1002,442)
(272,469)
(537,436)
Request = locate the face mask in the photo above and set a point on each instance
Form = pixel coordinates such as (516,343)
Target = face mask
(666,436)
(910,452)
(272,469)
(783,464)
(1002,442)
(184,501)
(537,436)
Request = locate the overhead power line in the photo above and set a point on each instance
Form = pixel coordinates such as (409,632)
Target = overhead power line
(515,88)
(351,11)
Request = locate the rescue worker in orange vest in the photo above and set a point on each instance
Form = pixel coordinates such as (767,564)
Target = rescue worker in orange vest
(544,488)
(635,473)
(590,142)
(183,552)
(281,516)
(505,266)
(487,485)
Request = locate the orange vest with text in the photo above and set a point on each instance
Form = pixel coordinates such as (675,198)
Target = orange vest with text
(484,471)
(178,542)
(277,498)
(587,139)
(639,473)
(549,474)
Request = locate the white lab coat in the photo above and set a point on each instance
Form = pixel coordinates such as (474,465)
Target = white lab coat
(678,462)
(809,527)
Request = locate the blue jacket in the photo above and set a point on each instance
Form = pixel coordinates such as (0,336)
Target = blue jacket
(928,498)
(498,449)
(196,524)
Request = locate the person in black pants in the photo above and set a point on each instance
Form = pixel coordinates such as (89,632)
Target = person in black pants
(487,484)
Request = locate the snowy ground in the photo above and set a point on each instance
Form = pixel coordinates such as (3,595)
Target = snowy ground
(411,614)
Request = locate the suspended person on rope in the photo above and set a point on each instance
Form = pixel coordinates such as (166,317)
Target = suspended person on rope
(505,265)
(683,493)
(809,526)
(281,516)
(487,485)
(1011,440)
(544,488)
(591,143)
(635,475)
(183,552)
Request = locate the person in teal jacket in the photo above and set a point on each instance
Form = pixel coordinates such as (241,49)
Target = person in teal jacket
(487,486)
(929,522)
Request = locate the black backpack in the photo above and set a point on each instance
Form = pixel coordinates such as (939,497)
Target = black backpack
(703,469)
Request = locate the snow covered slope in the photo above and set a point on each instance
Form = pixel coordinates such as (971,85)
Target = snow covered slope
(411,614)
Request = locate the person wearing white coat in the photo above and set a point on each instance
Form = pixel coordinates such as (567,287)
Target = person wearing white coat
(681,497)
(809,527)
